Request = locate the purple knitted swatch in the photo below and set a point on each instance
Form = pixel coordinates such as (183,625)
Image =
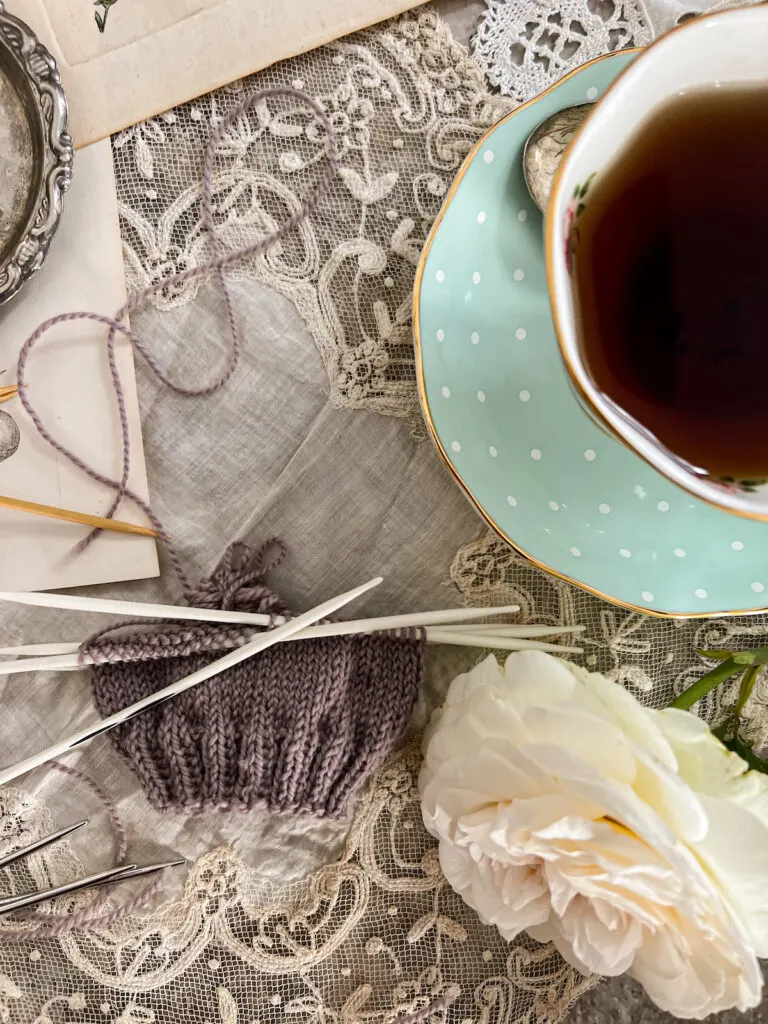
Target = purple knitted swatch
(298,727)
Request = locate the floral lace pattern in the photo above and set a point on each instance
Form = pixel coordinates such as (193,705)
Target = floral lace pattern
(407,104)
(523,48)
(373,937)
(653,658)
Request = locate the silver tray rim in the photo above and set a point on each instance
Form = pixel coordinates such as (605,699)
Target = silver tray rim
(35,74)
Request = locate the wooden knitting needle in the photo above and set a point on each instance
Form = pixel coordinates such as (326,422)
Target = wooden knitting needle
(261,643)
(82,518)
(7,393)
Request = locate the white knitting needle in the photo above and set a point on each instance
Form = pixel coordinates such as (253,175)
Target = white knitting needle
(509,629)
(72,661)
(138,609)
(499,643)
(261,643)
(498,629)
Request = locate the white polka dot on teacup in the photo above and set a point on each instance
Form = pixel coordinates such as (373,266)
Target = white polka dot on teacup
(474,338)
(625,552)
(481,217)
(488,156)
(512,502)
(440,276)
(440,335)
(521,334)
(519,274)
(455,446)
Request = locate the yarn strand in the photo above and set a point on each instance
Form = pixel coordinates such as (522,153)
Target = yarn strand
(219,262)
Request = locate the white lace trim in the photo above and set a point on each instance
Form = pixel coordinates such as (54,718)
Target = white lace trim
(375,936)
(407,104)
(524,47)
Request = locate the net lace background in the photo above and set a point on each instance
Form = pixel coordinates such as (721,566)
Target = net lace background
(283,919)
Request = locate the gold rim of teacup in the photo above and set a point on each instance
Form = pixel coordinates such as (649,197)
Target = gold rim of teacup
(549,250)
(422,386)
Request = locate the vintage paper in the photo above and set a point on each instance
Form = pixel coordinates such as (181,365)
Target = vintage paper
(124,60)
(71,388)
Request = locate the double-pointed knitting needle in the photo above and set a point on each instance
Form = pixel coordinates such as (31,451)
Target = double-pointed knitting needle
(261,643)
(73,661)
(7,393)
(40,844)
(110,877)
(139,609)
(503,630)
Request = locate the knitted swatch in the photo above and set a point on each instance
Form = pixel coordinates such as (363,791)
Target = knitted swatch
(298,727)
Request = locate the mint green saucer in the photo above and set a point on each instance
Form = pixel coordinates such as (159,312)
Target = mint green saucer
(504,418)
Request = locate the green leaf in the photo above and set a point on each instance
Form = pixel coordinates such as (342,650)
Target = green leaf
(738,746)
(758,656)
(745,691)
(580,209)
(714,655)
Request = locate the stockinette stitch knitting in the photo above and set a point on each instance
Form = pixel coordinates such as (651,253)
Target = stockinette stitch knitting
(298,727)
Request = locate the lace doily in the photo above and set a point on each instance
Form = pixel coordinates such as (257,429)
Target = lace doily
(371,938)
(653,658)
(523,47)
(407,104)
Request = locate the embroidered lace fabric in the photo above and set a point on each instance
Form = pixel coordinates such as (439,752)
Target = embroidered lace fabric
(523,47)
(373,937)
(407,104)
(376,934)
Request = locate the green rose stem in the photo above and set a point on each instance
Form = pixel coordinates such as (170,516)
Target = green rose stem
(731,662)
(702,687)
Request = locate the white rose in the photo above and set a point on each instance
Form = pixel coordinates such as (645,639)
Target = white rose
(630,838)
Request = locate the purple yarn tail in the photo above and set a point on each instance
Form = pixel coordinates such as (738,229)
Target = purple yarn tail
(219,263)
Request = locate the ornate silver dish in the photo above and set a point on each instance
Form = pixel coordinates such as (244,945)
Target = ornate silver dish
(35,152)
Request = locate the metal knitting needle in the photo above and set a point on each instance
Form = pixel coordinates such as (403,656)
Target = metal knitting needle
(114,875)
(40,844)
(261,643)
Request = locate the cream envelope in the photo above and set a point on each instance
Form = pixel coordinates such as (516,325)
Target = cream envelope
(71,388)
(124,60)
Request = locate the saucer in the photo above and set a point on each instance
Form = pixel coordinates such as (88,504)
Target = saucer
(501,411)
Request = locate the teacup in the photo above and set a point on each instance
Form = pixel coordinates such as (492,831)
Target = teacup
(727,48)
